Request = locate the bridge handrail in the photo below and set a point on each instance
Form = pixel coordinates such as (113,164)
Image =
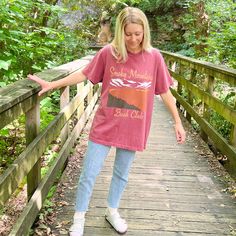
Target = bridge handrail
(222,72)
(186,72)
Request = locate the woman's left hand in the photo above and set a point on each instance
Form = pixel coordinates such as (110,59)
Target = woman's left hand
(180,133)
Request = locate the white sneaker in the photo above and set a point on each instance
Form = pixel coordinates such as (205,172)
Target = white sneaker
(116,222)
(77,229)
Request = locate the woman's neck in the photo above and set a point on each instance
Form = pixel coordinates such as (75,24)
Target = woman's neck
(134,51)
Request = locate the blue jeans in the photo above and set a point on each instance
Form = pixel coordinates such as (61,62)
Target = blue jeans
(92,165)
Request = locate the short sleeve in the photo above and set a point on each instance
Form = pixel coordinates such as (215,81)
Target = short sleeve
(163,78)
(94,71)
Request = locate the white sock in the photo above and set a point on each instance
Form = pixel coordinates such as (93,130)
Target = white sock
(79,215)
(112,210)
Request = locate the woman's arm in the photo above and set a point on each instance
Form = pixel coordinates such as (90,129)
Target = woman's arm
(71,79)
(169,101)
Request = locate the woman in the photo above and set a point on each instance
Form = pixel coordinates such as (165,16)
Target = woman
(131,72)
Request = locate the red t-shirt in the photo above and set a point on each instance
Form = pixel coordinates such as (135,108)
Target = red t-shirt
(123,118)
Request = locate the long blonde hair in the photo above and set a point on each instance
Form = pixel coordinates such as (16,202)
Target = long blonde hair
(126,16)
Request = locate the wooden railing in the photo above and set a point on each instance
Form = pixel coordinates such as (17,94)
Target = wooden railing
(198,96)
(22,98)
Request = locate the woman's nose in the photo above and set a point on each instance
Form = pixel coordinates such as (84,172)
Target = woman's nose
(133,38)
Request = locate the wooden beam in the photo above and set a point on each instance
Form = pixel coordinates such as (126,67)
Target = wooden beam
(219,141)
(225,110)
(221,72)
(11,178)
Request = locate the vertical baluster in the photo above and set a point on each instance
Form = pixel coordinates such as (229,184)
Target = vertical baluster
(173,66)
(180,87)
(233,131)
(209,85)
(90,94)
(190,95)
(80,109)
(32,128)
(64,100)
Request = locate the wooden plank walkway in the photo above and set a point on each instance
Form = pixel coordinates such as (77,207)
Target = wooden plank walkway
(171,191)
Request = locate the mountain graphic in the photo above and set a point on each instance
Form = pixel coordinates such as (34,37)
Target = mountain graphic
(119,103)
(129,98)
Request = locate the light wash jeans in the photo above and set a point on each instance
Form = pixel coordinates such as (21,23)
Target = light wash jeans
(92,164)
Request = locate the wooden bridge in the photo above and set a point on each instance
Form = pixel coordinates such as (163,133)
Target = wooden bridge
(172,188)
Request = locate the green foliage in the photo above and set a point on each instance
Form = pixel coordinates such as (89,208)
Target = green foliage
(210,30)
(155,5)
(12,143)
(222,41)
(227,96)
(220,124)
(222,45)
(48,111)
(32,38)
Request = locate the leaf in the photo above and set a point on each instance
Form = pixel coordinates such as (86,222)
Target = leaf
(36,67)
(2,84)
(5,64)
(4,131)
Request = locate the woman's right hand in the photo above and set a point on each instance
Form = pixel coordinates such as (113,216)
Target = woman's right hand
(45,85)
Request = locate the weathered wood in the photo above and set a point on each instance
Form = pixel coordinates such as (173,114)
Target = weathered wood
(217,71)
(64,100)
(18,98)
(90,94)
(190,95)
(80,109)
(220,142)
(11,178)
(209,84)
(210,103)
(233,131)
(32,129)
(225,110)
(179,86)
(32,209)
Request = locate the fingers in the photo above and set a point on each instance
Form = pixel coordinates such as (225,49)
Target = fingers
(41,92)
(180,135)
(41,82)
(180,139)
(34,78)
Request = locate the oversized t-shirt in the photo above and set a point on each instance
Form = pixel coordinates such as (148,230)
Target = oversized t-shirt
(124,114)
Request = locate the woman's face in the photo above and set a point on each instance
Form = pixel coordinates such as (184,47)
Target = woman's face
(133,37)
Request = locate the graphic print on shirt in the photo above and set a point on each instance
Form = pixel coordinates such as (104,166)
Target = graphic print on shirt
(128,94)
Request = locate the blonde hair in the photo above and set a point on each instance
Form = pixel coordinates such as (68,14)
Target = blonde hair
(126,16)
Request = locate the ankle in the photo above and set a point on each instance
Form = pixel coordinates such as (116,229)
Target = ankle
(112,210)
(79,215)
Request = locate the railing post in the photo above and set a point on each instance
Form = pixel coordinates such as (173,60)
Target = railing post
(190,96)
(32,128)
(64,100)
(90,94)
(173,66)
(233,131)
(179,87)
(206,110)
(80,109)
